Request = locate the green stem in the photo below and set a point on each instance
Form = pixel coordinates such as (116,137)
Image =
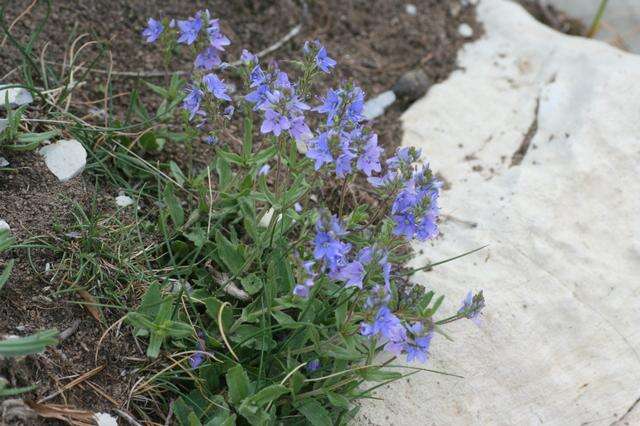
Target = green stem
(595,24)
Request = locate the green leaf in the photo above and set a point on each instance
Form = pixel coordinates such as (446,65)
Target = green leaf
(267,395)
(338,400)
(238,384)
(224,172)
(28,345)
(229,254)
(177,174)
(4,276)
(178,329)
(247,140)
(252,283)
(198,236)
(213,307)
(151,301)
(173,205)
(148,142)
(6,392)
(315,413)
(338,352)
(379,375)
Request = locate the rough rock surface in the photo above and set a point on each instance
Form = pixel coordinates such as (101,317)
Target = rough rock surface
(537,136)
(65,159)
(16,96)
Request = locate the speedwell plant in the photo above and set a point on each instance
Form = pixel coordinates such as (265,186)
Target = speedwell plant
(303,295)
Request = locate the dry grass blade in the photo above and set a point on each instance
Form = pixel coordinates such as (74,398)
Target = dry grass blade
(91,306)
(65,413)
(89,374)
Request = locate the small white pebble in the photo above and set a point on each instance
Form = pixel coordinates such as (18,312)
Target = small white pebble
(4,162)
(411,9)
(4,225)
(66,158)
(465,30)
(375,107)
(124,201)
(16,96)
(105,419)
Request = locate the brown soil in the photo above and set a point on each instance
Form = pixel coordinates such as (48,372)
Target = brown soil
(374,42)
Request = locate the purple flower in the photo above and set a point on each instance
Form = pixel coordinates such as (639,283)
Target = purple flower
(208,59)
(343,162)
(472,307)
(297,207)
(264,170)
(210,140)
(196,359)
(217,39)
(216,86)
(299,130)
(356,105)
(228,112)
(418,347)
(248,58)
(301,291)
(365,256)
(192,102)
(189,30)
(259,97)
(257,76)
(313,365)
(389,326)
(153,30)
(319,150)
(351,274)
(428,227)
(405,225)
(330,105)
(274,122)
(369,160)
(323,61)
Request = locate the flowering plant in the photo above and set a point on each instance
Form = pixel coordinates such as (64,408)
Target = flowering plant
(295,296)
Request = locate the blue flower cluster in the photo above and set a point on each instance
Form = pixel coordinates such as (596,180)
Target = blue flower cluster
(276,97)
(340,144)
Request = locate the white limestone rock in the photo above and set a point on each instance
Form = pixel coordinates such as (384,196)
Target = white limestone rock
(465,30)
(411,9)
(559,343)
(4,162)
(124,201)
(105,419)
(66,158)
(16,96)
(4,225)
(375,107)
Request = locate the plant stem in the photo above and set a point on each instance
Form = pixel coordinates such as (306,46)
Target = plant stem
(595,24)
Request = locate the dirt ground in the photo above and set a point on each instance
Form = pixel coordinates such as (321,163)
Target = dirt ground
(374,41)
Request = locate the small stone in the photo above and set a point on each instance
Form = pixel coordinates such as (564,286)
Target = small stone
(4,225)
(412,85)
(105,419)
(124,201)
(4,162)
(411,9)
(375,107)
(65,159)
(455,8)
(16,96)
(465,30)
